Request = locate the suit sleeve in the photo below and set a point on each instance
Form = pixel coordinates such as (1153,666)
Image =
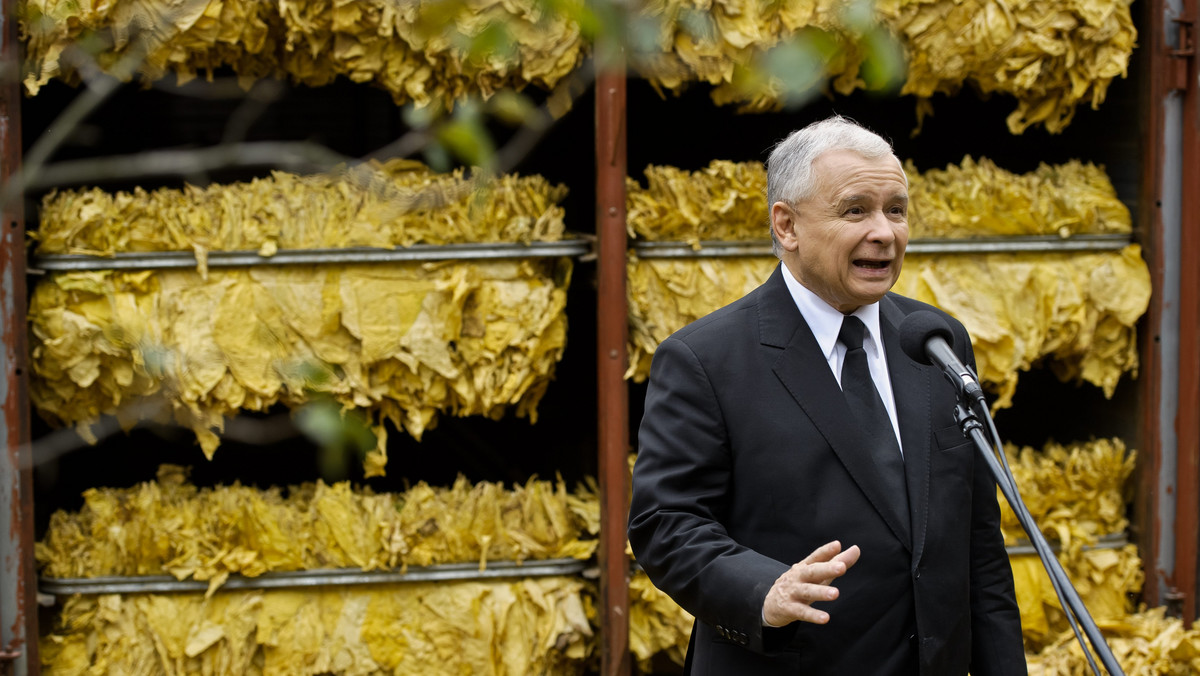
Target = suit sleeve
(996,645)
(681,483)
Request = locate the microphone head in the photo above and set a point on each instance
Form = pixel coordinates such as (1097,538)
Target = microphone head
(917,328)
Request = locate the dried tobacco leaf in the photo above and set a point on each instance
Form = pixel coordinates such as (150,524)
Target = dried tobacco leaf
(404,343)
(422,52)
(527,626)
(170,526)
(1050,56)
(396,204)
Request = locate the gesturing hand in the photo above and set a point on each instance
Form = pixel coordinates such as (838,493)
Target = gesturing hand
(807,582)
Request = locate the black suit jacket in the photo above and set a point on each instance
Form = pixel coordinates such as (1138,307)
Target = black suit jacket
(748,462)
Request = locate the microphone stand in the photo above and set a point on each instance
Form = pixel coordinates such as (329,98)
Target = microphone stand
(1068,597)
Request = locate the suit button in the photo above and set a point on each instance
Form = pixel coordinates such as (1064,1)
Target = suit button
(917,574)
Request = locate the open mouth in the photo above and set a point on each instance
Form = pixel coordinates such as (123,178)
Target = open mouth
(872,264)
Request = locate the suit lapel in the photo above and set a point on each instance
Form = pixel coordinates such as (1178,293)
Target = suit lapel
(817,392)
(911,391)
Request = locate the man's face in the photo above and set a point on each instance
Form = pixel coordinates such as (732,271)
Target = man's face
(846,242)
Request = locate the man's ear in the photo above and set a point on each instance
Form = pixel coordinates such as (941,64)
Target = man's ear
(783,224)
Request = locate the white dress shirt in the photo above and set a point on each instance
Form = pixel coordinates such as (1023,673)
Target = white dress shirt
(826,323)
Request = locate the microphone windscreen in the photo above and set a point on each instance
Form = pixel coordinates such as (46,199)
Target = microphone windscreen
(917,328)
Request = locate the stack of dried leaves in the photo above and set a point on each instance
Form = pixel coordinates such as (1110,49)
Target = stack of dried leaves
(402,342)
(727,201)
(501,628)
(1107,580)
(172,527)
(395,204)
(657,625)
(1077,494)
(724,201)
(1075,313)
(978,198)
(1050,56)
(421,52)
(1146,643)
(666,294)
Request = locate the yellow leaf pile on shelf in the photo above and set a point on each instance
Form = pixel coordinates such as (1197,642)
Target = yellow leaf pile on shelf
(1147,643)
(666,294)
(724,201)
(977,197)
(505,628)
(727,201)
(395,204)
(1075,312)
(403,342)
(170,526)
(722,43)
(1050,56)
(657,626)
(1106,579)
(421,52)
(1075,492)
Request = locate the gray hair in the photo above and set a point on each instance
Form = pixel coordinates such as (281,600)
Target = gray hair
(790,177)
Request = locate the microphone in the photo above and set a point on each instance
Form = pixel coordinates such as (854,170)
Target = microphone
(926,338)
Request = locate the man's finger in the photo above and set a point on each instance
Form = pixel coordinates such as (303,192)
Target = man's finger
(813,593)
(825,552)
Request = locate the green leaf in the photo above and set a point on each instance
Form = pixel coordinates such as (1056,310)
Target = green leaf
(797,67)
(494,42)
(467,140)
(512,107)
(885,67)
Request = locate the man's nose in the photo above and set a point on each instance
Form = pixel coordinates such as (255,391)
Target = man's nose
(881,229)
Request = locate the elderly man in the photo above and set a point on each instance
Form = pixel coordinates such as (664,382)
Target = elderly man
(801,485)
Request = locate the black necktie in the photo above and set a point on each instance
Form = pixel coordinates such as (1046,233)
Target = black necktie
(867,405)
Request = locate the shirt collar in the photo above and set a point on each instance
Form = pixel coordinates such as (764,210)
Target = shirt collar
(825,321)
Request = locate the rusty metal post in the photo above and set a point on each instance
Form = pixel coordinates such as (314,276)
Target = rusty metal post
(613,392)
(18,591)
(1182,61)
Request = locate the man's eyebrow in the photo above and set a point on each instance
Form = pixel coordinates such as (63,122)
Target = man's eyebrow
(859,198)
(852,199)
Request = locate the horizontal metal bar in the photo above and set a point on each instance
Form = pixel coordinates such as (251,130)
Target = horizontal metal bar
(718,249)
(313,578)
(1023,546)
(157,260)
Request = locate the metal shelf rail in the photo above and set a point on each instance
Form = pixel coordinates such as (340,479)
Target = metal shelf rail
(308,579)
(161,260)
(974,245)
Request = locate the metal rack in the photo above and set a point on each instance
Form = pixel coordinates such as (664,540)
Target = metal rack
(163,260)
(308,579)
(973,245)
